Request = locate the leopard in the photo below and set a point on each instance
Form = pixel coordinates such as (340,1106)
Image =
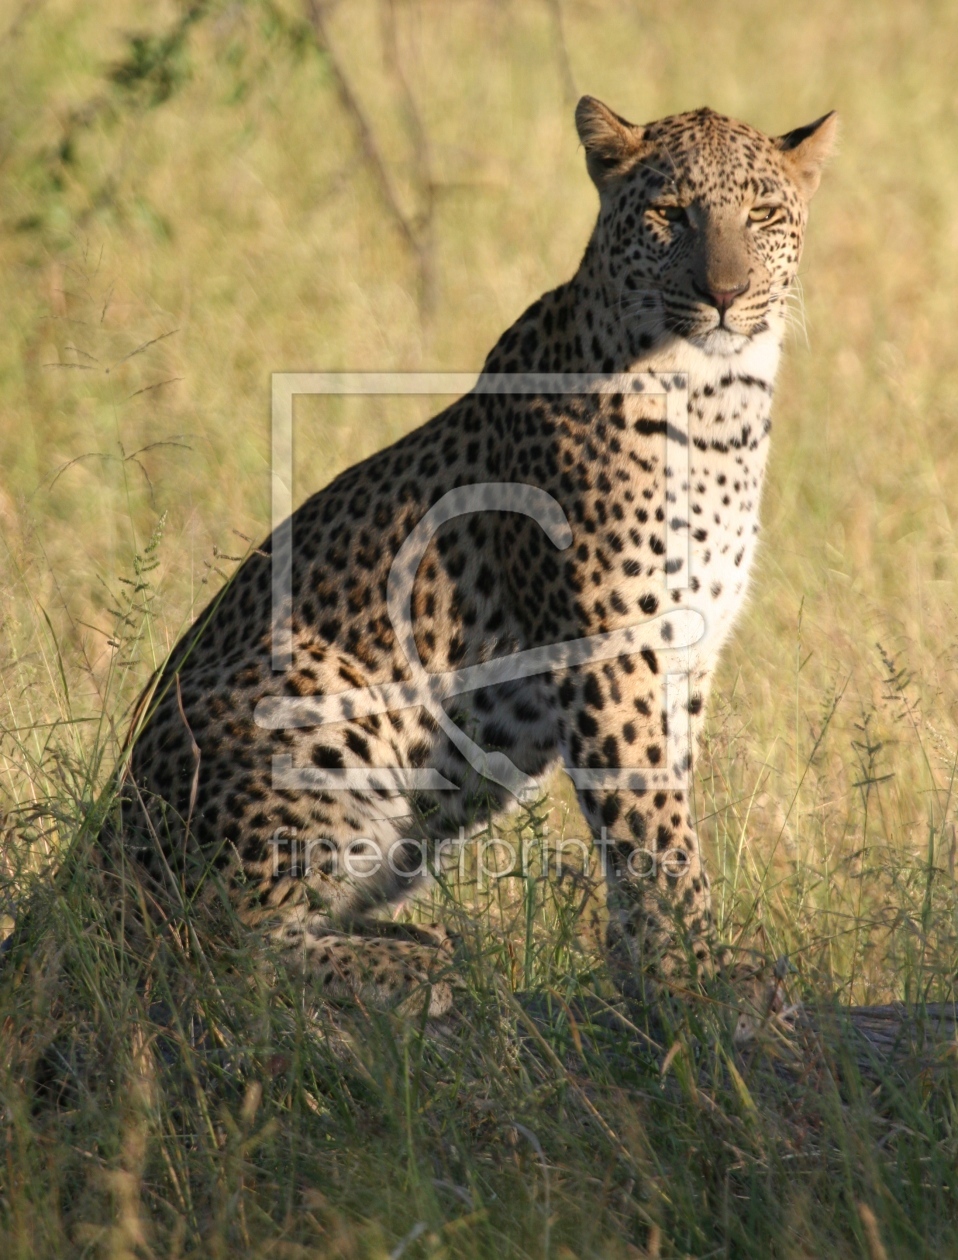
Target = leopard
(506,590)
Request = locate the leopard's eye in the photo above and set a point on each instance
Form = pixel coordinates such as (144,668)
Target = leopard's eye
(763,214)
(669,214)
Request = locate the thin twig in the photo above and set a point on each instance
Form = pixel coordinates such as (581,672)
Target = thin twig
(562,53)
(369,147)
(424,225)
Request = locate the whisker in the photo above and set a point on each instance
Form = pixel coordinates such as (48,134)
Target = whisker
(791,299)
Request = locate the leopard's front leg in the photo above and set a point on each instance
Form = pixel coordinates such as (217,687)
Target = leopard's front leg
(660,916)
(659,902)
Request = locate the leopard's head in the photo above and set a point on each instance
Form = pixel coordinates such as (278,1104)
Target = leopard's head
(701,220)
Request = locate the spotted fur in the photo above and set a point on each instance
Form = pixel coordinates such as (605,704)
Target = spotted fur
(689,270)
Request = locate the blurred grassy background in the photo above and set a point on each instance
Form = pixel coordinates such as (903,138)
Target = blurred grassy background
(188,204)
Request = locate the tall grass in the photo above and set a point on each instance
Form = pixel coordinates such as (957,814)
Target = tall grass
(173,231)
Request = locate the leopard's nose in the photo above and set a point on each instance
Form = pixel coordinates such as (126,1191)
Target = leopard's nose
(722,299)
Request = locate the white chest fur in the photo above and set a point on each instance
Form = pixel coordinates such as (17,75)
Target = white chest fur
(725,492)
(730,399)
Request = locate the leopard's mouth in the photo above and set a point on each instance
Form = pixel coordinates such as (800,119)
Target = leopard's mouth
(720,341)
(703,328)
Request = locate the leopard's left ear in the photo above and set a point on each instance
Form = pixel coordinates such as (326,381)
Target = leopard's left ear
(610,141)
(806,150)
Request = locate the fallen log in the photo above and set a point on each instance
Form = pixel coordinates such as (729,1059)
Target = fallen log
(895,1036)
(922,1036)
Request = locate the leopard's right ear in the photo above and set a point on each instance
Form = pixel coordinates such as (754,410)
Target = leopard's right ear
(610,141)
(807,149)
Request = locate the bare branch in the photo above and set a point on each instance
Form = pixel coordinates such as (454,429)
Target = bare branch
(427,185)
(562,53)
(406,226)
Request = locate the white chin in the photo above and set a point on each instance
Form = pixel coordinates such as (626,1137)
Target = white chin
(720,341)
